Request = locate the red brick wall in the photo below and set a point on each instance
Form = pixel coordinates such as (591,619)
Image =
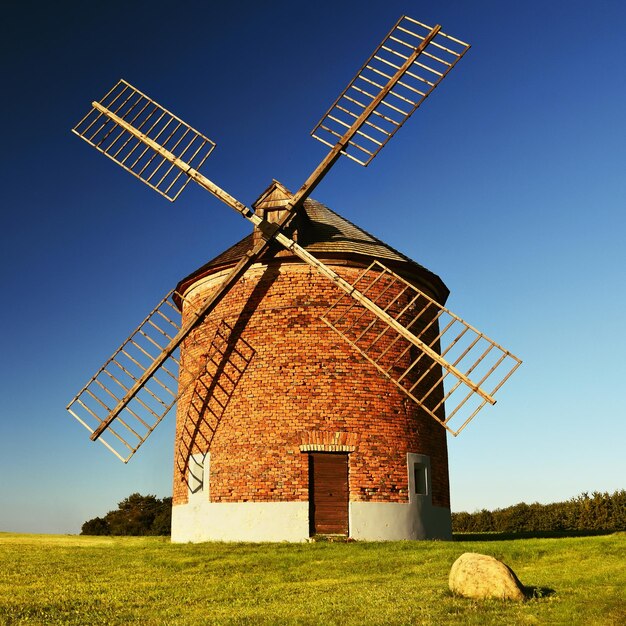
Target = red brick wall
(283,379)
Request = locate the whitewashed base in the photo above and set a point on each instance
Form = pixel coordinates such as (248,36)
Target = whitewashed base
(201,520)
(240,521)
(390,521)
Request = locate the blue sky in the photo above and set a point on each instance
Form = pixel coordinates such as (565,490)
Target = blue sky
(508,183)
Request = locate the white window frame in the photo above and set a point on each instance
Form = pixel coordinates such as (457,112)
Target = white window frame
(421,461)
(198,475)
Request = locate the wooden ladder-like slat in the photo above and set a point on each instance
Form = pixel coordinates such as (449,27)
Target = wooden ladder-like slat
(468,356)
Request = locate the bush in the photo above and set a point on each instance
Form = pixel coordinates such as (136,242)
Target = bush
(95,526)
(584,513)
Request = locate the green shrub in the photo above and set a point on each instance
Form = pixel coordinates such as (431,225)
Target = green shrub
(598,512)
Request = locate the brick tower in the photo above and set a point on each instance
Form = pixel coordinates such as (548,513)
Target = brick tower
(285,431)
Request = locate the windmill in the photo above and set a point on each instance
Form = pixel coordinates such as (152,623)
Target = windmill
(419,347)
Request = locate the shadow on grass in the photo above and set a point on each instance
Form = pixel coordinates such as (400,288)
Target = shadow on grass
(536,593)
(540,534)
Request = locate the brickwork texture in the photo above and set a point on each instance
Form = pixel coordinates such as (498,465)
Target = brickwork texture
(267,381)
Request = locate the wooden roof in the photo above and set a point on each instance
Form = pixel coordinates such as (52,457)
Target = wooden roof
(328,236)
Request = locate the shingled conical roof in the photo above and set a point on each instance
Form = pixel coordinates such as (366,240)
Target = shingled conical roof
(327,235)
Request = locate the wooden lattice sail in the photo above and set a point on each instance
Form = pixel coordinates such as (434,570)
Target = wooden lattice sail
(401,73)
(441,349)
(105,127)
(137,386)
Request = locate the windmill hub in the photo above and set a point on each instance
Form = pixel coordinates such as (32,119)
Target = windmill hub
(272,206)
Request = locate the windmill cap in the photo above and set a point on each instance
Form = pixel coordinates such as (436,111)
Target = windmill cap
(328,236)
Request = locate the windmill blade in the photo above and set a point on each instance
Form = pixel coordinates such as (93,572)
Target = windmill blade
(451,350)
(401,73)
(99,128)
(134,369)
(450,353)
(375,319)
(137,409)
(130,107)
(138,400)
(151,143)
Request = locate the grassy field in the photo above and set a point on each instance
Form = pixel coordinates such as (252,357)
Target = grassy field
(47,579)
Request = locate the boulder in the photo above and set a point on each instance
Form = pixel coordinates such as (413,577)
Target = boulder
(481,576)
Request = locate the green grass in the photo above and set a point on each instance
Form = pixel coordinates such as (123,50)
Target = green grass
(47,579)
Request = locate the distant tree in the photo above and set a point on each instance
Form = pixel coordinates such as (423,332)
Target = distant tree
(95,526)
(162,523)
(135,515)
(484,519)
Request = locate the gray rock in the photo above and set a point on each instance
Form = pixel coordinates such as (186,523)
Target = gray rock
(481,576)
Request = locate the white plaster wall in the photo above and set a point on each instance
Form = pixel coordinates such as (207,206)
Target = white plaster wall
(201,520)
(391,521)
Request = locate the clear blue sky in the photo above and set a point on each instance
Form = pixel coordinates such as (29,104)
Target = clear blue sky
(509,183)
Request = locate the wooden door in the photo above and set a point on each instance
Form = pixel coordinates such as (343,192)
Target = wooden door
(328,493)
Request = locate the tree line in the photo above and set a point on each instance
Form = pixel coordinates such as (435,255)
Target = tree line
(598,512)
(135,515)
